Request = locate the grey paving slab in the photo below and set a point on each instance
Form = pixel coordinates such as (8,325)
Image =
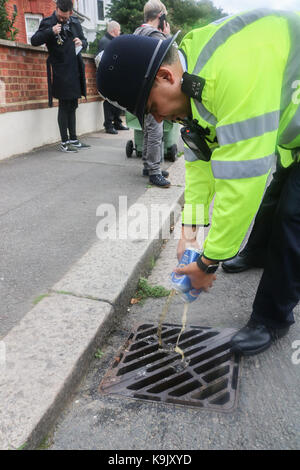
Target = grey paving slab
(45,354)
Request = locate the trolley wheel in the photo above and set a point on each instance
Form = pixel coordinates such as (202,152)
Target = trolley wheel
(139,154)
(129,148)
(172,153)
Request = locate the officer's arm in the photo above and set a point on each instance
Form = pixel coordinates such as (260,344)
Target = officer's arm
(81,36)
(43,34)
(199,190)
(247,112)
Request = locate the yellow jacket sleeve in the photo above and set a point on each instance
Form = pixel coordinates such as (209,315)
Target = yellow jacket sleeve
(199,191)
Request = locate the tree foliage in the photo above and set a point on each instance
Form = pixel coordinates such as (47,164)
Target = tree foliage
(7,28)
(182,14)
(129,13)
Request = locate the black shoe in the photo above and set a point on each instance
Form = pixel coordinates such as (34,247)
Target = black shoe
(255,338)
(111,130)
(120,127)
(163,172)
(159,180)
(237,264)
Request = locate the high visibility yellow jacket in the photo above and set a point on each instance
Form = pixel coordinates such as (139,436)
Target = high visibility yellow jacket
(250,102)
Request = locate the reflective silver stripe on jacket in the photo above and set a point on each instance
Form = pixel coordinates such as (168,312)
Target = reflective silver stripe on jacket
(233,26)
(292,130)
(205,114)
(292,71)
(243,130)
(228,29)
(189,155)
(242,169)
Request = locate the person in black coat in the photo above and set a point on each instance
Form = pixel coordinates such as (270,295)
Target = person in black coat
(63,36)
(112,114)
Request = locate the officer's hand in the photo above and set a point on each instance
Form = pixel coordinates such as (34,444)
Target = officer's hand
(57,28)
(166,29)
(199,279)
(188,238)
(184,244)
(77,42)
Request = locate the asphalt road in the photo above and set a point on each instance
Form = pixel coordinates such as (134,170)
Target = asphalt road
(267,415)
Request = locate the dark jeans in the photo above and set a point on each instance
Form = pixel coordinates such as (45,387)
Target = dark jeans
(67,119)
(111,115)
(275,242)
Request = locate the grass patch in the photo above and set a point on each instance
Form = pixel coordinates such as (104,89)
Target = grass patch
(145,290)
(39,298)
(99,354)
(64,292)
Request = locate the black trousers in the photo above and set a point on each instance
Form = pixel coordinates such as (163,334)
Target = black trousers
(67,119)
(111,115)
(274,243)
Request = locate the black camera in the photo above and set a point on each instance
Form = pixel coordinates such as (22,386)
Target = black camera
(195,137)
(162,20)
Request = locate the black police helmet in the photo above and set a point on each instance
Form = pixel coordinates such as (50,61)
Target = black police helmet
(128,68)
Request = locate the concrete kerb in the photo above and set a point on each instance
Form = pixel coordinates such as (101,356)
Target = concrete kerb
(48,352)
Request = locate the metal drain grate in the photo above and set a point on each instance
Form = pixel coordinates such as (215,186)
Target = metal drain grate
(145,371)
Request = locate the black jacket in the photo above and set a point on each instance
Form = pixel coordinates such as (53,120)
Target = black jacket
(67,80)
(104,41)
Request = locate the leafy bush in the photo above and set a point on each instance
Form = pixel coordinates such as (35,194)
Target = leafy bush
(7,28)
(182,14)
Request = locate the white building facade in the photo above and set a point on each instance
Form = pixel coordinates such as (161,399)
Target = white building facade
(94,13)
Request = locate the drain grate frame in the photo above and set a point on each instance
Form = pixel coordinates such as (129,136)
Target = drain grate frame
(144,371)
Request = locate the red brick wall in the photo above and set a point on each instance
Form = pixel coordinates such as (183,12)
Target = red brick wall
(23,77)
(41,7)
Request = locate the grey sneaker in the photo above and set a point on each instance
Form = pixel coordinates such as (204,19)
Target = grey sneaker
(78,144)
(68,148)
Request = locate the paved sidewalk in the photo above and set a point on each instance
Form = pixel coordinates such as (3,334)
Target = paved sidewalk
(268,412)
(48,204)
(46,350)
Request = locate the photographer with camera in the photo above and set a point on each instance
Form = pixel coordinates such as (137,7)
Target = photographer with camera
(63,36)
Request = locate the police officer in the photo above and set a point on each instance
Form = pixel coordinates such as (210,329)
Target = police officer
(63,36)
(234,85)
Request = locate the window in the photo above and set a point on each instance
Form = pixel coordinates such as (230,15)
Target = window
(32,23)
(100,10)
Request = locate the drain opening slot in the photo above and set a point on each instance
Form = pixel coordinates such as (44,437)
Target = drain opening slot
(170,383)
(207,355)
(216,374)
(188,388)
(150,380)
(211,390)
(141,363)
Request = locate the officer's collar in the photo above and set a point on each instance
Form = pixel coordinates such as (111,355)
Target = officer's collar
(182,61)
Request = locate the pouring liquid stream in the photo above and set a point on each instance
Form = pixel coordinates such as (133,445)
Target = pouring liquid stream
(161,320)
